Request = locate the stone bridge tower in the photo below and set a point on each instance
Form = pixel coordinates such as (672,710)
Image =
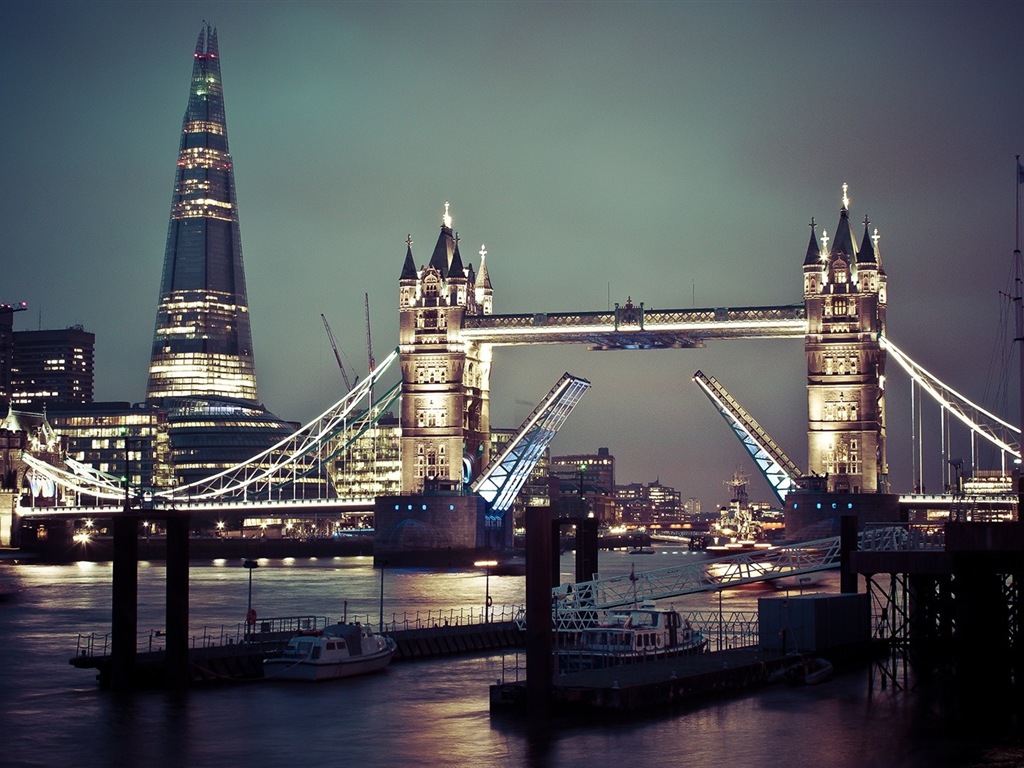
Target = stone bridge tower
(445,377)
(845,298)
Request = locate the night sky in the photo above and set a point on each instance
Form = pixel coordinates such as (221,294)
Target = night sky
(672,153)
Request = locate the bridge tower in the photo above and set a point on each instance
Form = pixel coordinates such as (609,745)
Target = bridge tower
(445,377)
(845,299)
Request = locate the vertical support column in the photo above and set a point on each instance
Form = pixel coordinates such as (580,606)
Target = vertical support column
(586,548)
(538,610)
(125,594)
(176,661)
(847,545)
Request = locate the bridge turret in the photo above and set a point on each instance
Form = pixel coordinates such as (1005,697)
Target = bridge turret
(814,265)
(845,363)
(445,377)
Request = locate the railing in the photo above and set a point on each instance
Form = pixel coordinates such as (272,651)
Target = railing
(453,618)
(903,537)
(96,644)
(155,640)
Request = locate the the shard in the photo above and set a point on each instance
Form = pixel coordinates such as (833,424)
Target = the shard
(202,344)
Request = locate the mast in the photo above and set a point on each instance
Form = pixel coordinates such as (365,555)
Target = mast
(1018,303)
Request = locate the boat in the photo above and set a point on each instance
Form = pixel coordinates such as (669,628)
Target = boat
(806,670)
(335,651)
(642,551)
(626,635)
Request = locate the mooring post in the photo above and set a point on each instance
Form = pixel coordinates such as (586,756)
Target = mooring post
(124,600)
(538,610)
(176,657)
(586,549)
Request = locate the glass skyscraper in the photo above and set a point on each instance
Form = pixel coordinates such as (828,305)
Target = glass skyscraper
(202,345)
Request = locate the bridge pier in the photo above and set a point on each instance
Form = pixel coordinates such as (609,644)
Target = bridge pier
(125,600)
(124,603)
(539,554)
(178,525)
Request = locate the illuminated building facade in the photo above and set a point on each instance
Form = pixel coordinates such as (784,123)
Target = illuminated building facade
(124,440)
(845,296)
(202,344)
(590,477)
(648,503)
(52,367)
(445,377)
(371,466)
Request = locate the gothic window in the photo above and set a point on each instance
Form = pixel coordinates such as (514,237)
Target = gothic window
(853,364)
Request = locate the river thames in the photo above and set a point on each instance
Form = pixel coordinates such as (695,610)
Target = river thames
(420,713)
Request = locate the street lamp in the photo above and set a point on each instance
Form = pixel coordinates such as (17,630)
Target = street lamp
(250,614)
(487,565)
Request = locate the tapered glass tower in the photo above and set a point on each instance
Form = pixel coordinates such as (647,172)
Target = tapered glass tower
(202,345)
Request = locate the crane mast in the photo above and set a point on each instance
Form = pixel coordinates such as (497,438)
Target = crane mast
(337,355)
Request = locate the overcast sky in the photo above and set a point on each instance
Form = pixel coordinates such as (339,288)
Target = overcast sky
(673,153)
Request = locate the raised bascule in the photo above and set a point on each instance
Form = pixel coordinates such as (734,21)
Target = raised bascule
(448,332)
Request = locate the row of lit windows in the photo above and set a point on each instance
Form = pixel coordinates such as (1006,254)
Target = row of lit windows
(188,210)
(203,126)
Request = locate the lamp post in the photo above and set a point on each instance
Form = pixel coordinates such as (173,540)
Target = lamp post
(250,614)
(486,565)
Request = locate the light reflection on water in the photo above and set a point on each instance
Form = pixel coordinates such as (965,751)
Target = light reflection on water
(426,713)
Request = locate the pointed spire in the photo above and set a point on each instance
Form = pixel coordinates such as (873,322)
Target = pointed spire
(813,255)
(211,43)
(843,244)
(866,255)
(409,267)
(483,278)
(455,269)
(442,255)
(201,42)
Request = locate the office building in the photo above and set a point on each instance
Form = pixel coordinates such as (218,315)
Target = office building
(52,367)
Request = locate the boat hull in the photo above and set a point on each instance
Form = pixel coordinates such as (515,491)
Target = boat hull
(315,670)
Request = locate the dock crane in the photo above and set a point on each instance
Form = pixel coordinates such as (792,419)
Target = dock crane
(337,355)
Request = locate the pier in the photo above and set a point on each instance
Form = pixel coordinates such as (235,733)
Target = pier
(655,684)
(236,655)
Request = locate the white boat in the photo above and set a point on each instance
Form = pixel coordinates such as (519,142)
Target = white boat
(634,634)
(338,650)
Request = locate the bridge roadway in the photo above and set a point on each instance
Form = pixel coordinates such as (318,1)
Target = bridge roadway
(211,509)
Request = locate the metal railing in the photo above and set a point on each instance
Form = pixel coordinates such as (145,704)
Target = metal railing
(273,629)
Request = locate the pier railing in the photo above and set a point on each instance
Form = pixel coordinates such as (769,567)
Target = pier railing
(903,537)
(276,629)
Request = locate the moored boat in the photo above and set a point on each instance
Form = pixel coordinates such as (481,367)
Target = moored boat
(626,635)
(336,651)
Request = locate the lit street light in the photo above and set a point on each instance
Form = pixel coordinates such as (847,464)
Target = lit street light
(250,614)
(487,565)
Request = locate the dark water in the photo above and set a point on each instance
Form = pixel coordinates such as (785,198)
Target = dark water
(430,713)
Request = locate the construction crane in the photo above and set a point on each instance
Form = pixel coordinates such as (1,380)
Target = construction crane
(21,306)
(337,355)
(369,343)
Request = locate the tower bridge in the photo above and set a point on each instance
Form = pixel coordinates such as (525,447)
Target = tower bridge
(447,334)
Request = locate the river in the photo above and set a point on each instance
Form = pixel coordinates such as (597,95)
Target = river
(423,713)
